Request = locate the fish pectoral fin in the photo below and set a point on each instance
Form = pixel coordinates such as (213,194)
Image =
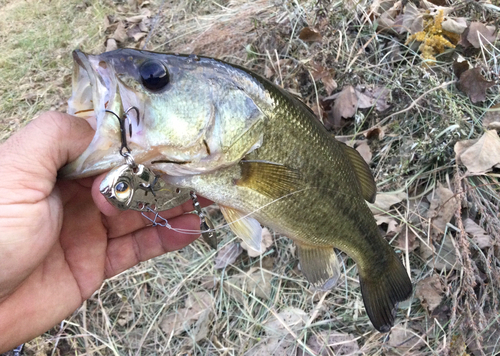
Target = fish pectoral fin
(363,173)
(246,228)
(382,288)
(270,179)
(319,265)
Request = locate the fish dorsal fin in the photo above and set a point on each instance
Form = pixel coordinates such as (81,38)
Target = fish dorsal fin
(320,266)
(363,174)
(245,227)
(270,179)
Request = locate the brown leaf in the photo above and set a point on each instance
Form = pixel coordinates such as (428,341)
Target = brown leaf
(479,236)
(491,119)
(479,156)
(407,241)
(384,201)
(369,96)
(376,133)
(412,20)
(329,83)
(441,258)
(227,255)
(327,343)
(473,84)
(460,67)
(387,19)
(442,209)
(120,34)
(454,25)
(325,75)
(430,292)
(293,318)
(404,339)
(308,34)
(364,150)
(282,346)
(267,240)
(197,304)
(345,104)
(479,34)
(393,226)
(256,282)
(111,44)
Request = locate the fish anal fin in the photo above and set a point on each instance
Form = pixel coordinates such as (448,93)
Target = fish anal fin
(382,290)
(267,178)
(363,173)
(245,227)
(319,265)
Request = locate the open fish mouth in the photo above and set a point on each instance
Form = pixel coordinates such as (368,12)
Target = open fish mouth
(97,94)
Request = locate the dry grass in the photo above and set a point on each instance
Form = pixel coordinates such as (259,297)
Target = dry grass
(416,153)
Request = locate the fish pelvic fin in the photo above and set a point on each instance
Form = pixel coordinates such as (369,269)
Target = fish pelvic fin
(319,265)
(363,173)
(382,290)
(245,227)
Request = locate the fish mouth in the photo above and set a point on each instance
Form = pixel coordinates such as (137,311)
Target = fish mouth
(99,97)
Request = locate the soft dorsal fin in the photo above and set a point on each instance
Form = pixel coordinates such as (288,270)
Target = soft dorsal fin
(363,174)
(270,179)
(245,227)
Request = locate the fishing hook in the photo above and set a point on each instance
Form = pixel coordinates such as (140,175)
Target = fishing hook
(123,131)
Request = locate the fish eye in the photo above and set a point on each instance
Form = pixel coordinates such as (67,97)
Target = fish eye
(122,191)
(154,75)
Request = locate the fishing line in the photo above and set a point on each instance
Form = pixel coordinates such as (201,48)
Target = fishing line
(195,232)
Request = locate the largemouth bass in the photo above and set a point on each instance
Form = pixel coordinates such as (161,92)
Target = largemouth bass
(248,145)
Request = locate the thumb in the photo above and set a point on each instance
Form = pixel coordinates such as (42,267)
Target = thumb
(32,156)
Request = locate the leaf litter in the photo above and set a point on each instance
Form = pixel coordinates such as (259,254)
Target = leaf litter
(481,155)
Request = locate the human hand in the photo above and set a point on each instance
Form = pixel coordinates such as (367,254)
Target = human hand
(60,239)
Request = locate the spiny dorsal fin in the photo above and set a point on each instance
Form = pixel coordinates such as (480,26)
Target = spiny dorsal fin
(319,265)
(270,179)
(363,173)
(245,227)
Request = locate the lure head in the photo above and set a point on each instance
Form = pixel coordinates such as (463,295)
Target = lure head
(139,188)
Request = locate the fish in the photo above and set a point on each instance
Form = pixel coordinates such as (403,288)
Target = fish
(250,146)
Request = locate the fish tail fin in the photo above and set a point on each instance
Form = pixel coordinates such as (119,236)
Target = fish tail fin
(382,289)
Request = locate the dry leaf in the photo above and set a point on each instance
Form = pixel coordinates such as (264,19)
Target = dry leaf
(266,241)
(412,20)
(473,84)
(393,226)
(111,44)
(479,34)
(459,67)
(325,75)
(256,282)
(227,255)
(442,209)
(406,241)
(364,150)
(375,133)
(479,156)
(345,104)
(120,34)
(384,201)
(197,305)
(454,24)
(290,317)
(308,34)
(441,258)
(491,119)
(479,236)
(273,346)
(326,343)
(387,19)
(430,292)
(404,339)
(373,96)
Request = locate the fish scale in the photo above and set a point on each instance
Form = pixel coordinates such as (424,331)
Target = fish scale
(254,149)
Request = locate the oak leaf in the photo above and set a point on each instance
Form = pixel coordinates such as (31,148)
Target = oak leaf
(473,84)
